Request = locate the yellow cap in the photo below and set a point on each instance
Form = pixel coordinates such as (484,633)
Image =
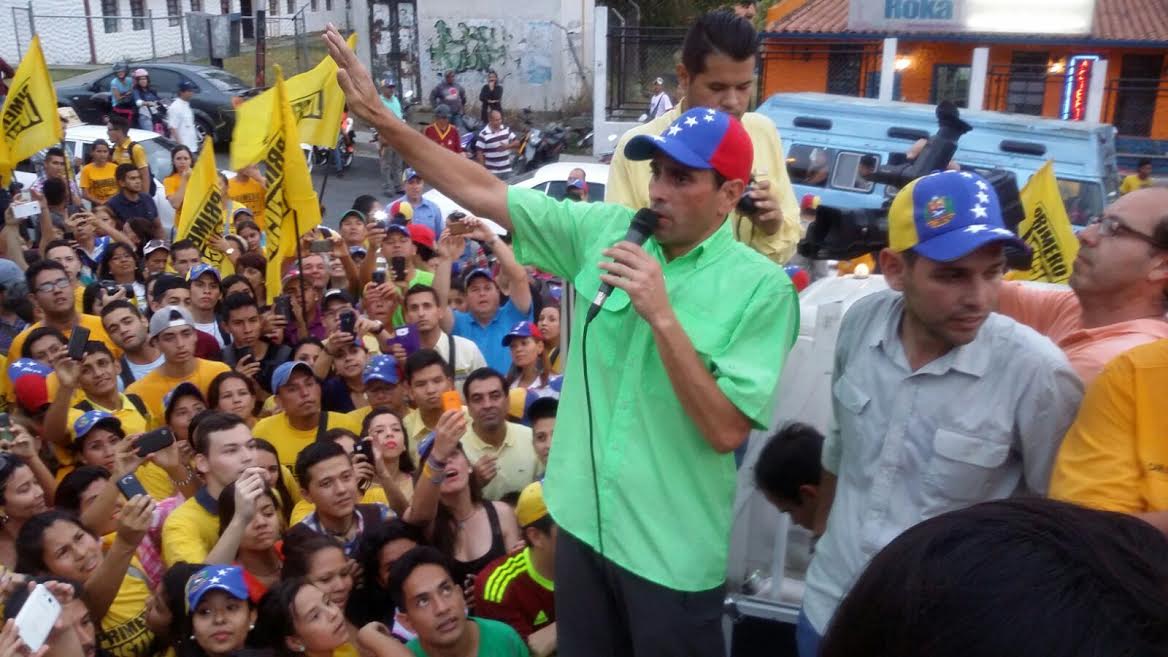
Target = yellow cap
(530,507)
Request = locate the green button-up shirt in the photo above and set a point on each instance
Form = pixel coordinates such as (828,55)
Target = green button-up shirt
(665,494)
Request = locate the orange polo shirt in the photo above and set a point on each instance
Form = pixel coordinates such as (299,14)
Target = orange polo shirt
(1056,314)
(1114,456)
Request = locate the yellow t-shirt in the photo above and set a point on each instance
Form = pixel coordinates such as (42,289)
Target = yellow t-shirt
(251,194)
(154,386)
(99,181)
(123,630)
(374,495)
(417,431)
(1114,457)
(96,332)
(1132,183)
(628,182)
(123,154)
(170,183)
(189,534)
(154,479)
(289,440)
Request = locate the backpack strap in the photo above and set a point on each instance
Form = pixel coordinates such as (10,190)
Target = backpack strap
(322,425)
(84,406)
(138,404)
(450,350)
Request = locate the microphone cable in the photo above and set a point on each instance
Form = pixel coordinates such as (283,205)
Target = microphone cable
(591,445)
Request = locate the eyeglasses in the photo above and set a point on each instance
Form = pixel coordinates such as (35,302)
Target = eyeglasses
(1113,227)
(49,286)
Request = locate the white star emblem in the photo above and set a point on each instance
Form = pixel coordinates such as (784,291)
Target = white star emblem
(673,130)
(979,211)
(658,138)
(691,121)
(710,110)
(966,174)
(982,197)
(214,580)
(976,228)
(709,118)
(983,186)
(222,571)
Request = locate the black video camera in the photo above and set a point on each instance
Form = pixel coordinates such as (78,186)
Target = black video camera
(841,234)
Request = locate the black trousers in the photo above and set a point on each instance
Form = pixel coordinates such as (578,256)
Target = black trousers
(605,610)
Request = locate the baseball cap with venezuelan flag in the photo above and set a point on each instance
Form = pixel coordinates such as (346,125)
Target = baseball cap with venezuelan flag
(947,215)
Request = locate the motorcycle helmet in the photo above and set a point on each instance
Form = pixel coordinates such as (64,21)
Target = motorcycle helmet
(141,73)
(122,66)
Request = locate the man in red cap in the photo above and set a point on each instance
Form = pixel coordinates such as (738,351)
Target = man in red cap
(682,363)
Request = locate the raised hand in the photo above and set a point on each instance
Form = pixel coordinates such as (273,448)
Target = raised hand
(360,91)
(135,519)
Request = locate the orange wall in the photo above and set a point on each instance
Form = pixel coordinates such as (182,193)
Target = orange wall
(787,74)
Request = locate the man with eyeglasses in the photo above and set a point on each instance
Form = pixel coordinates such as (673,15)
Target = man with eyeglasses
(52,291)
(1118,288)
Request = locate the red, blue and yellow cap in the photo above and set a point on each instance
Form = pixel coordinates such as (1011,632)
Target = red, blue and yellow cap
(701,138)
(947,215)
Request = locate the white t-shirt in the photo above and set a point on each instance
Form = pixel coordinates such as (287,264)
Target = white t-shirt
(468,357)
(139,371)
(659,105)
(182,120)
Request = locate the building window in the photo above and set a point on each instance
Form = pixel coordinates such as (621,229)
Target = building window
(1136,92)
(291,6)
(137,10)
(1026,89)
(109,9)
(196,5)
(843,70)
(850,171)
(328,5)
(314,5)
(273,7)
(951,82)
(173,11)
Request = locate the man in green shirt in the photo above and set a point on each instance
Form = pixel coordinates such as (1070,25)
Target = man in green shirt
(391,163)
(432,606)
(682,363)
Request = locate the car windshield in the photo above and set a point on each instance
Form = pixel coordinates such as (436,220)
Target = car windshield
(1083,200)
(223,80)
(158,153)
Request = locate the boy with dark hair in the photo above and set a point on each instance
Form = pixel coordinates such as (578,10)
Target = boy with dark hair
(788,470)
(518,589)
(133,200)
(422,309)
(431,606)
(541,417)
(172,331)
(184,255)
(250,352)
(428,376)
(328,480)
(129,330)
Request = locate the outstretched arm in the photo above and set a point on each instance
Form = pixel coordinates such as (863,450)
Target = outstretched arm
(464,181)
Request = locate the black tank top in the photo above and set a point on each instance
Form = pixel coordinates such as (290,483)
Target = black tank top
(464,568)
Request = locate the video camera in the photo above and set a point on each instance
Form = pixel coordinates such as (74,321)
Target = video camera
(841,234)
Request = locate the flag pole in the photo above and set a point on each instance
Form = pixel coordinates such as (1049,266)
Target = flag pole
(300,268)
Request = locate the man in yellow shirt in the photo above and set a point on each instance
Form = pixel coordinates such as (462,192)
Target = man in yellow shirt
(382,389)
(50,288)
(127,151)
(172,331)
(501,452)
(1140,179)
(1114,456)
(302,420)
(249,188)
(717,71)
(223,453)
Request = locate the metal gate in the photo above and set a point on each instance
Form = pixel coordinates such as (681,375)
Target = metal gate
(393,46)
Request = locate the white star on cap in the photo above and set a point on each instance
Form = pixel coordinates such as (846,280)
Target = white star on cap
(709,118)
(710,110)
(983,186)
(214,580)
(222,571)
(658,138)
(976,228)
(979,211)
(673,130)
(966,174)
(691,121)
(982,197)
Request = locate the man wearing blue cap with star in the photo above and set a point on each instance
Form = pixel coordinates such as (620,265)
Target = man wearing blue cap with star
(383,389)
(939,402)
(682,363)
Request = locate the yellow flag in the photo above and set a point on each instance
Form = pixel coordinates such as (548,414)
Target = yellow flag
(1047,230)
(292,205)
(29,120)
(317,103)
(203,215)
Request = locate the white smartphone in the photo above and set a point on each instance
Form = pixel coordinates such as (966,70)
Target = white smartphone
(37,617)
(22,210)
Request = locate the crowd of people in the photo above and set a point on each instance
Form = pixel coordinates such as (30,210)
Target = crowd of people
(362,461)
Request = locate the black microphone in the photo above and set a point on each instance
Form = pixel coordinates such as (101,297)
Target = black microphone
(644,223)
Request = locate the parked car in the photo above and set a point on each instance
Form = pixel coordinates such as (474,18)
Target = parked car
(551,179)
(213,104)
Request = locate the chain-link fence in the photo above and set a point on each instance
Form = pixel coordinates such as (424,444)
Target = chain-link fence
(636,57)
(78,41)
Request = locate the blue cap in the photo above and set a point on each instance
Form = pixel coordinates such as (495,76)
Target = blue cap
(203,268)
(381,368)
(576,183)
(187,85)
(388,81)
(947,215)
(700,139)
(284,372)
(358,250)
(398,228)
(524,329)
(23,366)
(478,271)
(90,420)
(212,578)
(410,174)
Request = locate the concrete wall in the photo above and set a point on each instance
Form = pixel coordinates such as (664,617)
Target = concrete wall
(528,43)
(64,30)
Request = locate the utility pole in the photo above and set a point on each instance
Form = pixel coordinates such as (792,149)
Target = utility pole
(261,46)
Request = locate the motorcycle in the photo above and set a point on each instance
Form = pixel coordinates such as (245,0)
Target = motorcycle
(346,147)
(540,147)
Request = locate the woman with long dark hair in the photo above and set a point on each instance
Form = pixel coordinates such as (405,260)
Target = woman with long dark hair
(259,545)
(276,477)
(391,446)
(298,619)
(119,264)
(182,162)
(219,610)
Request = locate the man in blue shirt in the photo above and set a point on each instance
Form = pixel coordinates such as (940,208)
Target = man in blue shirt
(391,162)
(426,212)
(487,319)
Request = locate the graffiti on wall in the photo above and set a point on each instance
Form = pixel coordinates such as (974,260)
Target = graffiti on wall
(465,48)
